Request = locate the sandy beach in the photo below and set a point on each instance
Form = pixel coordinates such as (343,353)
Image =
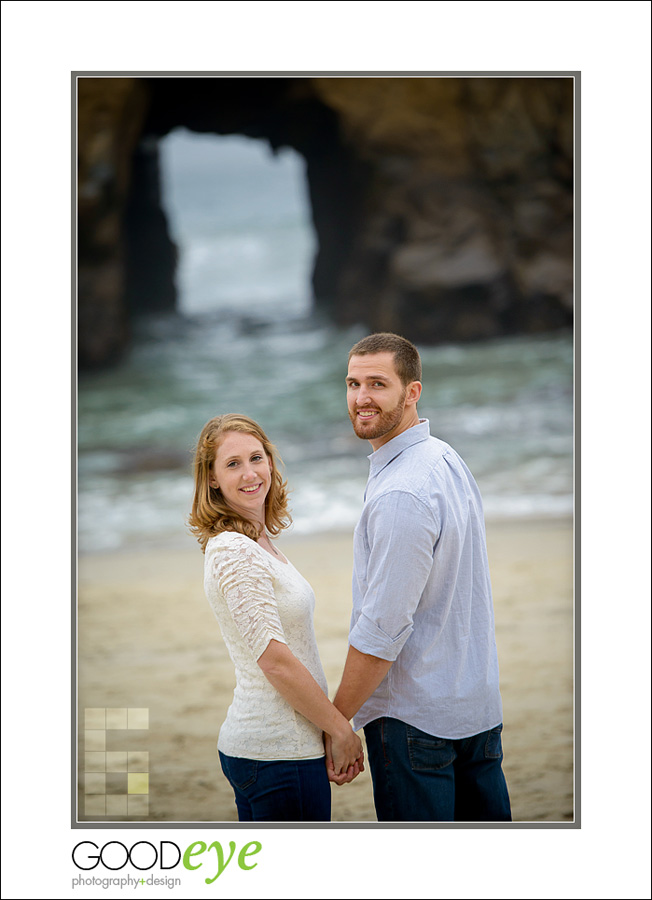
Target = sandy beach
(148,641)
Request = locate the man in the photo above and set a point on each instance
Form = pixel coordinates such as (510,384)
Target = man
(421,675)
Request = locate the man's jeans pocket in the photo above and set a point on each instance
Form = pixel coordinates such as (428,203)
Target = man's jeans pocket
(428,753)
(493,748)
(242,773)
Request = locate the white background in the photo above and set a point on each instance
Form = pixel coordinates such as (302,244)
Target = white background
(609,44)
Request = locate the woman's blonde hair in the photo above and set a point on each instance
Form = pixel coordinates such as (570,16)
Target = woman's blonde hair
(210,512)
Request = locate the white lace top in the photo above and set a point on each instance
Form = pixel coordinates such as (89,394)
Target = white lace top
(257,598)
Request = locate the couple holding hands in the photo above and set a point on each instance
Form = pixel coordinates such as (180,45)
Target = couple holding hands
(421,674)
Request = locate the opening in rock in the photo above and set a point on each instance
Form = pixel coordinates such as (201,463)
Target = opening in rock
(239,216)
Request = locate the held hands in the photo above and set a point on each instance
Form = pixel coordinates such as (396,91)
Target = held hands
(344,756)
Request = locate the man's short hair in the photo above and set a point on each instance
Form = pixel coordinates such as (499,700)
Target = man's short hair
(407,361)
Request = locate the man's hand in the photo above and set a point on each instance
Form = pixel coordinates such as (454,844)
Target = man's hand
(344,777)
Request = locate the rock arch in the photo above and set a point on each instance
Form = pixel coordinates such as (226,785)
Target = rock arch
(443,207)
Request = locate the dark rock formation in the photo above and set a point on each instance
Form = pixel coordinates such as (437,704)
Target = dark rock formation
(443,207)
(111,113)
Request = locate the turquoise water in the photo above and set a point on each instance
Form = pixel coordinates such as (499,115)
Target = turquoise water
(244,341)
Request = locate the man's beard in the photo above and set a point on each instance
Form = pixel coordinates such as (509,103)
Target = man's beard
(379,425)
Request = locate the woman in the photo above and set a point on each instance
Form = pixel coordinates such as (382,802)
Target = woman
(270,745)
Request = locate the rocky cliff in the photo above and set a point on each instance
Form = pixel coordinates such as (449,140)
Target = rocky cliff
(443,207)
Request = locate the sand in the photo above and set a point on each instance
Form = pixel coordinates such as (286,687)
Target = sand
(148,641)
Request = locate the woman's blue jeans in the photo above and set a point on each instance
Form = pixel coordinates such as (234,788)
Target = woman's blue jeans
(421,778)
(284,790)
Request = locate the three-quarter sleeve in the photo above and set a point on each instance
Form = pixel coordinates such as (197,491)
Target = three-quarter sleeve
(247,587)
(400,533)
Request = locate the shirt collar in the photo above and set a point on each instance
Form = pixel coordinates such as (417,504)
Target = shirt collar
(389,451)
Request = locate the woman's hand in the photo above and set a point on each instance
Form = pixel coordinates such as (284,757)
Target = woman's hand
(344,756)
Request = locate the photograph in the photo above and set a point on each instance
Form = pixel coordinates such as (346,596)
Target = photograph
(325,495)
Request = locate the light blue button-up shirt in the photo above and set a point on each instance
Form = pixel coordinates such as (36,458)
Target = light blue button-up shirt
(421,590)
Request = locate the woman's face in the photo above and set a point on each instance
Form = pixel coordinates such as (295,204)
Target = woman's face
(243,472)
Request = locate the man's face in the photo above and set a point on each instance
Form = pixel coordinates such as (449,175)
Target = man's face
(376,398)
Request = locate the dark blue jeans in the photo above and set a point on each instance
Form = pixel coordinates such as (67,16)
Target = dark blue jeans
(421,778)
(284,790)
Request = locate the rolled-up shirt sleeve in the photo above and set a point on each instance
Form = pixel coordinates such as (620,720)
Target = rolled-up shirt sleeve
(400,533)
